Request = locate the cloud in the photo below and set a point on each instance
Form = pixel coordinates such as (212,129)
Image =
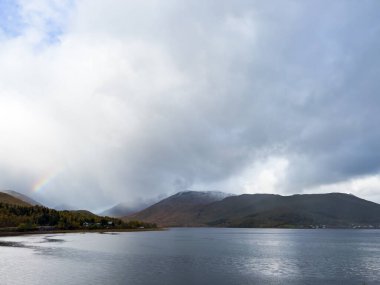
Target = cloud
(366,186)
(134,100)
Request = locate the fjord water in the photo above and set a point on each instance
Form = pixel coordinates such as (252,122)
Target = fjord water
(194,256)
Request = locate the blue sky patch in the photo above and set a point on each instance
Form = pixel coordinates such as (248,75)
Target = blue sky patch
(11,22)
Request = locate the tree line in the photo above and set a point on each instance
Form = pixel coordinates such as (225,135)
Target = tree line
(35,217)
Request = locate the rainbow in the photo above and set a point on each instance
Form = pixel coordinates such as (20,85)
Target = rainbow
(44,180)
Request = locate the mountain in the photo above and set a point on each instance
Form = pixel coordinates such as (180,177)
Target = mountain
(122,210)
(180,209)
(84,212)
(64,207)
(265,210)
(22,197)
(9,199)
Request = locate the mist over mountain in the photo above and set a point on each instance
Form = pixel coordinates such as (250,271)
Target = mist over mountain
(191,197)
(65,207)
(179,209)
(22,197)
(11,200)
(123,209)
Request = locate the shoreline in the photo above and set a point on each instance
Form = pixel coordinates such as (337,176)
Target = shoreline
(100,231)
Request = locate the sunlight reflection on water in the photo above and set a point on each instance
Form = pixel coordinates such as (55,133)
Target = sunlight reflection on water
(194,256)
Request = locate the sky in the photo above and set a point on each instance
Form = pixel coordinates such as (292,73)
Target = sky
(104,102)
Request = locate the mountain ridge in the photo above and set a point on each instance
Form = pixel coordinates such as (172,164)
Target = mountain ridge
(126,209)
(179,206)
(22,197)
(6,198)
(265,210)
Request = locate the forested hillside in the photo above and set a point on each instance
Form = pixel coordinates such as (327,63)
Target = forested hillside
(38,217)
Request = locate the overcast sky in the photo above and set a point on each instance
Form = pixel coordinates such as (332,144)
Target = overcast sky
(108,101)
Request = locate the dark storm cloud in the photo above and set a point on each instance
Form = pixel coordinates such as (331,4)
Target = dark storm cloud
(151,98)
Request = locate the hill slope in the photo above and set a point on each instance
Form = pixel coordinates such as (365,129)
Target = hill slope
(9,199)
(16,215)
(267,210)
(123,209)
(180,209)
(22,197)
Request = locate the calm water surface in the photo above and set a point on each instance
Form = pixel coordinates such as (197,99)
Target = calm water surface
(194,256)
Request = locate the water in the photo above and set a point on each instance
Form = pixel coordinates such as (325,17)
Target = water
(194,256)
